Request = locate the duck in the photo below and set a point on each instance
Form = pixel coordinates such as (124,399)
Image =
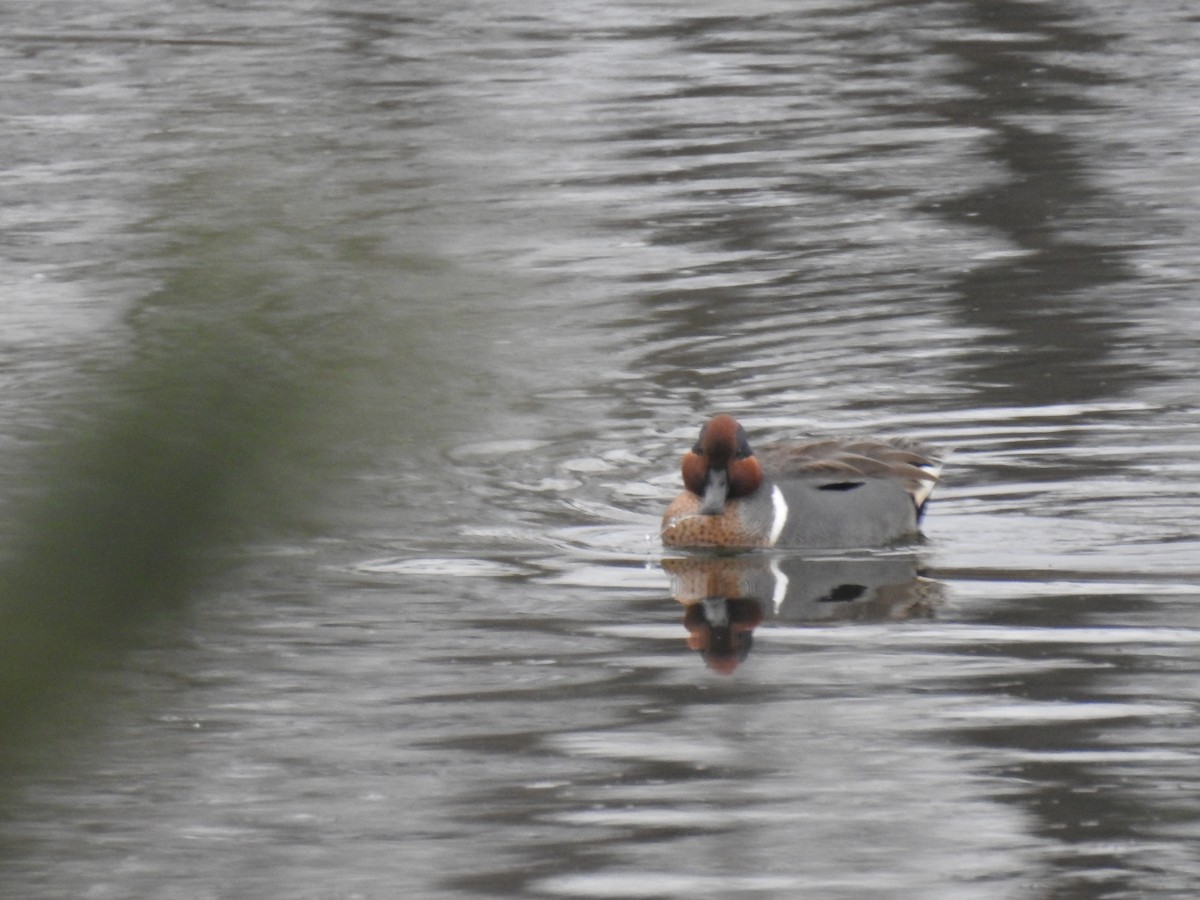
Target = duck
(829,493)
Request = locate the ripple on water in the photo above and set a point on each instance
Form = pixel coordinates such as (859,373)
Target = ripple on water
(449,567)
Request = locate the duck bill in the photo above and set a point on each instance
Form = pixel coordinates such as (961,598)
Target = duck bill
(716,490)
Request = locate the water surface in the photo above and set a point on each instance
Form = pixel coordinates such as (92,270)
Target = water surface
(427,303)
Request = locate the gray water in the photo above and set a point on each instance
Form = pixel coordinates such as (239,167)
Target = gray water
(496,265)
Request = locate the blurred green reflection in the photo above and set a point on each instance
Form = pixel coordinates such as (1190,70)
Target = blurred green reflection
(271,359)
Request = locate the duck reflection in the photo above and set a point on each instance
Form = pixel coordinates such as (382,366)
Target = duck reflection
(727,597)
(722,629)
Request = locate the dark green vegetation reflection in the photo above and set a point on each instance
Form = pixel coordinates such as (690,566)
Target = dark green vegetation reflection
(213,420)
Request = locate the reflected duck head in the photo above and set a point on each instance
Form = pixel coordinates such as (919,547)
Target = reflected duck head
(722,630)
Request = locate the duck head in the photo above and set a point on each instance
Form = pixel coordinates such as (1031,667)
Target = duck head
(721,466)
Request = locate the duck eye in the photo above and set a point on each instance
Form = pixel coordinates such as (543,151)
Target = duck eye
(743,445)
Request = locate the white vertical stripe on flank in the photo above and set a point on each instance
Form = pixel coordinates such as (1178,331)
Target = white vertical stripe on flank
(781,514)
